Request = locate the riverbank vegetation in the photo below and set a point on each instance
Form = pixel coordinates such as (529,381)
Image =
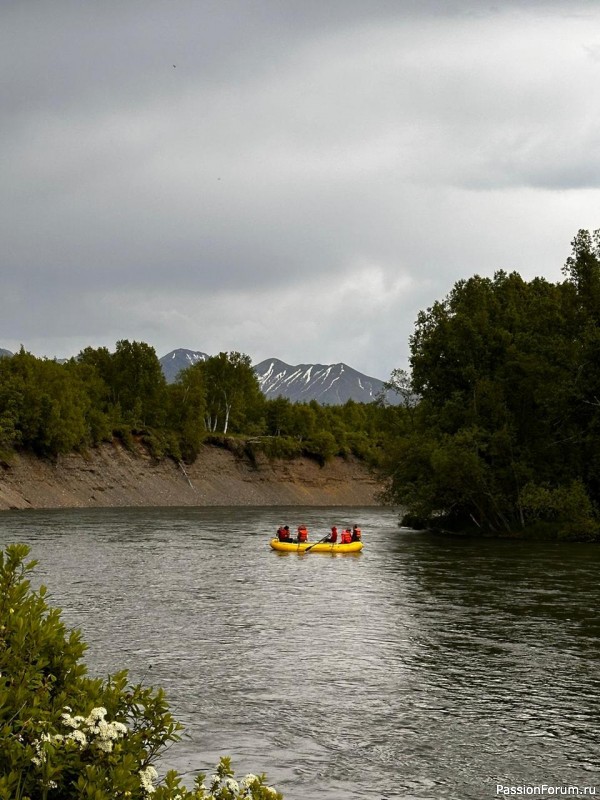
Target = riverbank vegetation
(501,431)
(64,734)
(497,432)
(49,408)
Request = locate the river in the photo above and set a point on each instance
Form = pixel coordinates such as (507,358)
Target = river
(424,667)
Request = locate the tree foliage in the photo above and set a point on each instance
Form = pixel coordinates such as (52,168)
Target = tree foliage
(505,433)
(232,391)
(44,406)
(51,408)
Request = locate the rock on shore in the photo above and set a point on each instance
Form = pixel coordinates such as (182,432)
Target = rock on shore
(112,476)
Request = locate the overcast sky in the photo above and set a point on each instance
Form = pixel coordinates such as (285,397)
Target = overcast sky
(288,178)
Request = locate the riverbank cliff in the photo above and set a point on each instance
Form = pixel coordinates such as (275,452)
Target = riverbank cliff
(113,476)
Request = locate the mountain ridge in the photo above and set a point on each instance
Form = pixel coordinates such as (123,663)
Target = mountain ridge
(331,384)
(328,384)
(179,359)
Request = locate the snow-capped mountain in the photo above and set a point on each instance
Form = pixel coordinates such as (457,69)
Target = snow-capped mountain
(328,384)
(179,359)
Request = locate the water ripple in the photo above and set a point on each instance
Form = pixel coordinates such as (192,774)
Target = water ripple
(425,668)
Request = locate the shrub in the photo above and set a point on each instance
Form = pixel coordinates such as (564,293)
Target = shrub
(275,447)
(567,507)
(321,446)
(66,735)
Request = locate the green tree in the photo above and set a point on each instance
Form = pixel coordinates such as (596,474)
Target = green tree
(233,395)
(44,406)
(506,398)
(582,271)
(187,409)
(99,413)
(10,406)
(100,362)
(304,421)
(279,413)
(139,386)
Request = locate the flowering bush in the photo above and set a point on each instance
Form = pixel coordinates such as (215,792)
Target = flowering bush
(68,736)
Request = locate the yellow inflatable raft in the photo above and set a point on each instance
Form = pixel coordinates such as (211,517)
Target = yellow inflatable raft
(320,547)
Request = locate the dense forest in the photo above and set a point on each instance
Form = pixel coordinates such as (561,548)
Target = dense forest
(50,408)
(502,422)
(498,431)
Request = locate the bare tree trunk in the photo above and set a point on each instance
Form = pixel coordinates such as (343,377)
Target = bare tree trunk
(211,424)
(187,477)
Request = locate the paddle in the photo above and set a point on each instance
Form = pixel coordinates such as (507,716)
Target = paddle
(319,542)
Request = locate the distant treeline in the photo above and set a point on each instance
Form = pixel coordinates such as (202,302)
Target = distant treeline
(498,431)
(49,408)
(502,423)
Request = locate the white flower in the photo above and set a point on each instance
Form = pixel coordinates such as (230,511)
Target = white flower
(79,737)
(95,717)
(119,728)
(40,757)
(105,745)
(72,722)
(147,776)
(232,785)
(248,780)
(94,729)
(108,732)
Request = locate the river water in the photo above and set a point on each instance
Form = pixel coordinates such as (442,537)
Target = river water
(423,667)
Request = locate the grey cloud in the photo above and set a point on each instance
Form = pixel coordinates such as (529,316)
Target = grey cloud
(292,147)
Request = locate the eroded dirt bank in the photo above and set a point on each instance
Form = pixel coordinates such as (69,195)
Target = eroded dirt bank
(113,476)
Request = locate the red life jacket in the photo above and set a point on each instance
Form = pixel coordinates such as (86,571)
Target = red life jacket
(346,537)
(334,534)
(302,534)
(356,534)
